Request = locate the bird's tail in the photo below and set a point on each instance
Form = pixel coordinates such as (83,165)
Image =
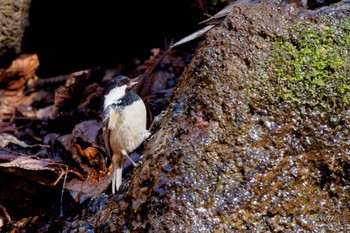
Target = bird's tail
(117,178)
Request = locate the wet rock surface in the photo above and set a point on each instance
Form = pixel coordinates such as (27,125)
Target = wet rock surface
(257,135)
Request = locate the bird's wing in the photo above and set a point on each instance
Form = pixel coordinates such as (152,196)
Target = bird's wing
(106,134)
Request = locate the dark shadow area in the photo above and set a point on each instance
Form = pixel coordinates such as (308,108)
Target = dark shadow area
(73,35)
(313,4)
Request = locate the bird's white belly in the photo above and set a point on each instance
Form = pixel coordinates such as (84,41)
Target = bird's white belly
(130,127)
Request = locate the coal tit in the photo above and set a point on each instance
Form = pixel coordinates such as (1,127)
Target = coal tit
(124,123)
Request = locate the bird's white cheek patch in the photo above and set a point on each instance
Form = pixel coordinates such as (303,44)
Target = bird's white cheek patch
(114,96)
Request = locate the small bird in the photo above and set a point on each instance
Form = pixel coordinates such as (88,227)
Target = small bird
(124,124)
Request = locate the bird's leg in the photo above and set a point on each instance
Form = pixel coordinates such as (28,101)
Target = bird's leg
(126,154)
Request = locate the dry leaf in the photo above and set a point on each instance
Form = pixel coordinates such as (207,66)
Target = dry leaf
(89,131)
(157,82)
(83,190)
(6,139)
(30,163)
(42,113)
(21,70)
(14,79)
(78,92)
(68,97)
(7,127)
(91,95)
(26,103)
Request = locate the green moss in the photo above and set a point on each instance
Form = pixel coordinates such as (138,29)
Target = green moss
(311,67)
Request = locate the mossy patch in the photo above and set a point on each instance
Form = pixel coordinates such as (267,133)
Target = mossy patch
(311,68)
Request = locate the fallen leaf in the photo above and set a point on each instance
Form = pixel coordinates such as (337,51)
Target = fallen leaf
(7,127)
(88,131)
(26,104)
(157,82)
(30,163)
(159,72)
(21,70)
(28,167)
(91,97)
(6,139)
(83,190)
(70,96)
(65,95)
(89,153)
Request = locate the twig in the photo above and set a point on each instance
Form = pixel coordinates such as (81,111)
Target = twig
(62,191)
(166,51)
(51,81)
(7,216)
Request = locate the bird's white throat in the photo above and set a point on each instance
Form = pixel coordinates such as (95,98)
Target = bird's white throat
(114,95)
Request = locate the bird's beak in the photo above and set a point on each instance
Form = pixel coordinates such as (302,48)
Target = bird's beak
(133,83)
(136,83)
